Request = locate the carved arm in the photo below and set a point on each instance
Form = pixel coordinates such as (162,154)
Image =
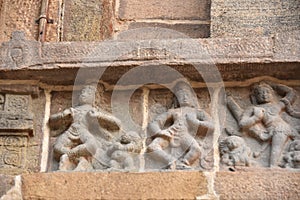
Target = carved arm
(251,117)
(202,122)
(285,91)
(155,128)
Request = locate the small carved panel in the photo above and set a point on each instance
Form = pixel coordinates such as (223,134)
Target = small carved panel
(16,114)
(18,145)
(262,127)
(13,151)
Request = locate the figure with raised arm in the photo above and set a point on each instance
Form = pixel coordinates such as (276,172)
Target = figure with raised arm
(90,128)
(263,119)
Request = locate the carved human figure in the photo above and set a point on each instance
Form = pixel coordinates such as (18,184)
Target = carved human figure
(292,157)
(178,127)
(263,119)
(121,151)
(234,152)
(76,146)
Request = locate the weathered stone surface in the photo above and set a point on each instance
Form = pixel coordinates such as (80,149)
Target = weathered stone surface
(6,182)
(287,44)
(20,130)
(53,32)
(274,184)
(19,15)
(61,61)
(88,14)
(188,30)
(240,18)
(154,185)
(19,52)
(170,9)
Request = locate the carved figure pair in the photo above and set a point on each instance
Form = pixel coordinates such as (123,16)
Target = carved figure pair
(263,119)
(91,139)
(91,131)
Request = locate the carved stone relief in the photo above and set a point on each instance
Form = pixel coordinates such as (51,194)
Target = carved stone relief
(176,137)
(262,121)
(17,131)
(94,139)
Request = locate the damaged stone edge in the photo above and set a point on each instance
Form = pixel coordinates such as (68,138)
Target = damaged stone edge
(15,192)
(20,53)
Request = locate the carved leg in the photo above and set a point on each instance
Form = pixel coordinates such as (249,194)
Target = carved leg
(66,164)
(279,140)
(63,144)
(83,165)
(194,150)
(156,151)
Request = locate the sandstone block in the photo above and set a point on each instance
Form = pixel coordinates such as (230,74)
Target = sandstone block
(258,185)
(175,30)
(150,185)
(169,9)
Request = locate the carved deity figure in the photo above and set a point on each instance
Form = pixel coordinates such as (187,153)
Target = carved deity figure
(90,129)
(263,119)
(234,152)
(120,152)
(178,127)
(292,157)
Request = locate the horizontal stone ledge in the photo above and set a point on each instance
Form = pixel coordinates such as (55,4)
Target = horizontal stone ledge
(19,54)
(59,74)
(93,185)
(261,184)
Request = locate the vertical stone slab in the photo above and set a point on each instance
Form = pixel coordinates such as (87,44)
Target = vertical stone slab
(86,20)
(20,129)
(19,15)
(53,29)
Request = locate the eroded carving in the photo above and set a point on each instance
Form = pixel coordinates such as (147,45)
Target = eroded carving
(178,128)
(120,152)
(92,140)
(263,119)
(292,158)
(235,152)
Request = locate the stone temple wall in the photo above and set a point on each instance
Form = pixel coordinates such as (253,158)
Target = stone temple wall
(190,99)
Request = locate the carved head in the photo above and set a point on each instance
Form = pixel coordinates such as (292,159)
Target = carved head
(184,95)
(262,93)
(234,142)
(87,95)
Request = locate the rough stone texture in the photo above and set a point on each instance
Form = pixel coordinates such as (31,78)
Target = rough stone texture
(274,184)
(169,9)
(169,185)
(53,30)
(189,30)
(83,20)
(6,182)
(19,15)
(245,18)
